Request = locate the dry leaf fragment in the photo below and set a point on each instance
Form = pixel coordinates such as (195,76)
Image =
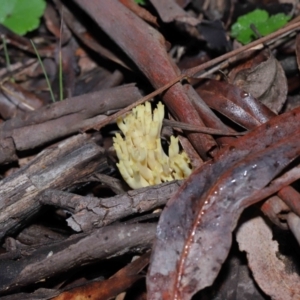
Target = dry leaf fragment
(255,237)
(233,102)
(265,80)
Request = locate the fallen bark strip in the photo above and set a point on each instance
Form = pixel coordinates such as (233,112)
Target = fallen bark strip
(60,119)
(59,167)
(146,47)
(248,112)
(91,212)
(81,33)
(181,267)
(76,251)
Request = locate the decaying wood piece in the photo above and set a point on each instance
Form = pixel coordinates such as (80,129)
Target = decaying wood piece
(74,252)
(91,212)
(60,167)
(60,119)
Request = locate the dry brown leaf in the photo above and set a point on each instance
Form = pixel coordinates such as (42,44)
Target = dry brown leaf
(255,237)
(264,80)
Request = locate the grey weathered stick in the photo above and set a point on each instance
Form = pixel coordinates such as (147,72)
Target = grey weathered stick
(90,212)
(74,252)
(56,167)
(60,119)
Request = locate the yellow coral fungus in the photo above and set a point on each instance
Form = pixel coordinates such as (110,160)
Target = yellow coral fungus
(142,161)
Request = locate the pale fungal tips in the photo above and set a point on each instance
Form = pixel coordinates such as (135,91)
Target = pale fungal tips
(142,160)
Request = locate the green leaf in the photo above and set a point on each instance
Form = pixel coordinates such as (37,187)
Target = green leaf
(260,19)
(141,2)
(21,16)
(6,9)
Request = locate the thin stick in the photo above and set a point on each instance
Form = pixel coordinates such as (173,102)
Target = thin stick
(275,186)
(195,128)
(131,106)
(193,71)
(189,73)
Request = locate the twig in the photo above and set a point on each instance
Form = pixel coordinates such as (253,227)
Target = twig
(195,128)
(131,106)
(192,72)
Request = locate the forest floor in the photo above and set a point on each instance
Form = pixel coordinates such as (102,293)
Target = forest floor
(163,162)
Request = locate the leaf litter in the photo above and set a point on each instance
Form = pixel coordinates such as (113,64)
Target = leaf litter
(210,210)
(106,44)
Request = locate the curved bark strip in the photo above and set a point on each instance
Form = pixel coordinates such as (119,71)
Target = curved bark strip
(194,231)
(245,110)
(146,47)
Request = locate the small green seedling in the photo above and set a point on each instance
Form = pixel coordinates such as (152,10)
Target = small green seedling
(21,16)
(264,24)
